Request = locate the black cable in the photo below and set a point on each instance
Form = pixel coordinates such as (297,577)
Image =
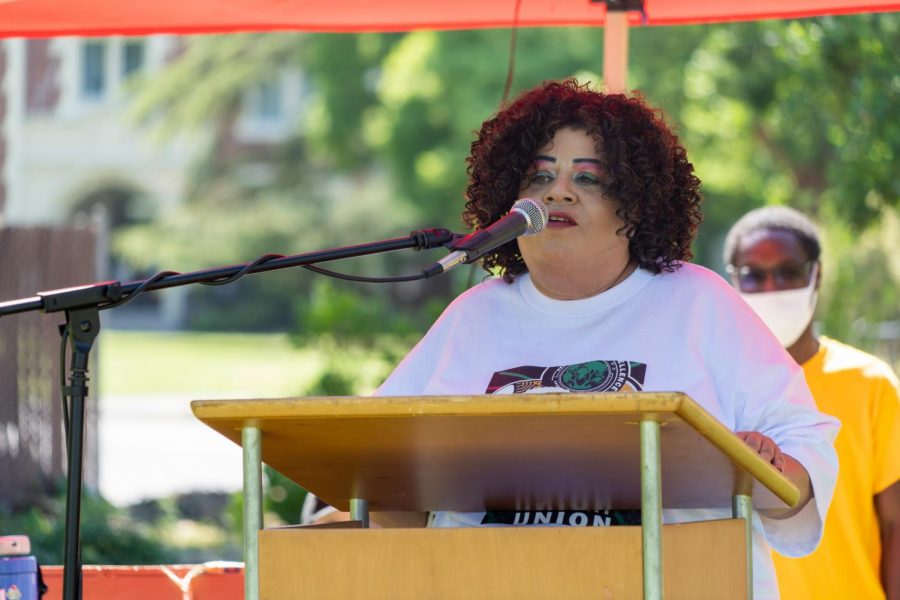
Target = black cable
(261,260)
(139,289)
(64,331)
(362,279)
(162,274)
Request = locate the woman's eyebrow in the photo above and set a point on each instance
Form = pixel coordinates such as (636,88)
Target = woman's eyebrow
(545,158)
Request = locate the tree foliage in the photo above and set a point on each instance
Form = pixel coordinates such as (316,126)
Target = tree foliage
(810,107)
(799,112)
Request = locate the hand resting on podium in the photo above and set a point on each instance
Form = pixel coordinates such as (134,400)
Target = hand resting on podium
(793,470)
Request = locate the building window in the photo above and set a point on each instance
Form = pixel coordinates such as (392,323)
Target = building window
(267,102)
(93,69)
(132,58)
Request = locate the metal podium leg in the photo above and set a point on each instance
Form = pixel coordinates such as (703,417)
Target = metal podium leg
(359,511)
(252,444)
(651,510)
(742,508)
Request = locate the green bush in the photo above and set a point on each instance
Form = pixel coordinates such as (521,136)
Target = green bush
(108,535)
(141,535)
(347,315)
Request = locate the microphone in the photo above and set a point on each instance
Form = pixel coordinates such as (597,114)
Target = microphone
(526,217)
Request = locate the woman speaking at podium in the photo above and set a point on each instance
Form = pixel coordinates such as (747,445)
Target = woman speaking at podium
(603,300)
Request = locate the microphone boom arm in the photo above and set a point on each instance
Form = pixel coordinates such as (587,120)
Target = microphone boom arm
(108,293)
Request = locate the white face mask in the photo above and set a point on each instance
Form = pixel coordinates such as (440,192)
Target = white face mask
(786,312)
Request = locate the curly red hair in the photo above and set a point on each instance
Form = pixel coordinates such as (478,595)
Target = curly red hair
(645,169)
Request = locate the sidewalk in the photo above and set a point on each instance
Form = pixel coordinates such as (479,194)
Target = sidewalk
(152,446)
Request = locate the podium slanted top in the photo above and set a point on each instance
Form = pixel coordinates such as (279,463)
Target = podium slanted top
(500,452)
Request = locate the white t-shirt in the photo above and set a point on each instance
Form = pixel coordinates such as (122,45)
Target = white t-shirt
(685,331)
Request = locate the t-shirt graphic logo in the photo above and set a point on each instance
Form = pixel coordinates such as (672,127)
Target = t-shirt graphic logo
(592,376)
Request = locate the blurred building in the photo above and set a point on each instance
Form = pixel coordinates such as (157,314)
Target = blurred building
(70,151)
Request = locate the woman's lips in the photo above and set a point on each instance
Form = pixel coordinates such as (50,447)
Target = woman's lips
(560,221)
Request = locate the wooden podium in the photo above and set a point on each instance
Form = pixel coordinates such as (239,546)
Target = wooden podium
(549,452)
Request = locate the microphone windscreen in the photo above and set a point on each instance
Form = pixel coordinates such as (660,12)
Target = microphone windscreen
(535,213)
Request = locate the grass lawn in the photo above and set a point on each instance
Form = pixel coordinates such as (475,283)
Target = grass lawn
(219,364)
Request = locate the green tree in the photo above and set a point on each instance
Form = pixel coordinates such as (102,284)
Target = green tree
(799,112)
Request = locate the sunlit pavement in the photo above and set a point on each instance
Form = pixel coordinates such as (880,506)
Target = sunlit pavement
(152,446)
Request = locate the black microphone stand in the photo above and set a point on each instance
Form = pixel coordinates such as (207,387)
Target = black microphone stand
(82,306)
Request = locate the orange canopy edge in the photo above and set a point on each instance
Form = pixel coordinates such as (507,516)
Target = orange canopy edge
(44,18)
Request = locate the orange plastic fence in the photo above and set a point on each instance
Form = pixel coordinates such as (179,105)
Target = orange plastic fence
(209,581)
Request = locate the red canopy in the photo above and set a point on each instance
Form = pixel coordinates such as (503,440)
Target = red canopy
(136,17)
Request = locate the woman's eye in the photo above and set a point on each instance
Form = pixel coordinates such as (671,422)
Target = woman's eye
(586,178)
(540,177)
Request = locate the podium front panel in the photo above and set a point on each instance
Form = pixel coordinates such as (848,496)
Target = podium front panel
(701,561)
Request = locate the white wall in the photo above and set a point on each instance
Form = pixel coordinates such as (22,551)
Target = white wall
(85,144)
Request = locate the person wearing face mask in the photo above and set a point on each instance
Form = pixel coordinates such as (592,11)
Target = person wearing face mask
(773,258)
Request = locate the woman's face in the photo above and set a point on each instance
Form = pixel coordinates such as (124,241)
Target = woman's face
(566,175)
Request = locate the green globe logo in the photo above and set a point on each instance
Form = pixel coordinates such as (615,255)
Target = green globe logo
(586,377)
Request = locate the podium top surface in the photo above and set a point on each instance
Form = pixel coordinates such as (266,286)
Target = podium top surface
(500,452)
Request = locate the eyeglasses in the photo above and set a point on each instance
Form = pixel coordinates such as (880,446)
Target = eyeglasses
(786,276)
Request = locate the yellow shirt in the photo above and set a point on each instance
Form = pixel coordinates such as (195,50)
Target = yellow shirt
(862,392)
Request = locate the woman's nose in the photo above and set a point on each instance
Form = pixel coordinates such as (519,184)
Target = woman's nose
(560,191)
